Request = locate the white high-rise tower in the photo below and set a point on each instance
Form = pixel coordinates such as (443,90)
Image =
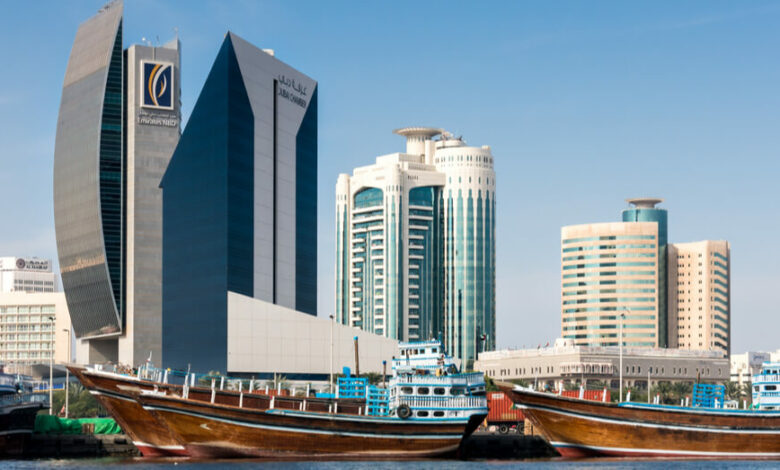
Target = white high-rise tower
(415,237)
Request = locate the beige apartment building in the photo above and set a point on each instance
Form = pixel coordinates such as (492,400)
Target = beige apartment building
(699,296)
(609,270)
(33,328)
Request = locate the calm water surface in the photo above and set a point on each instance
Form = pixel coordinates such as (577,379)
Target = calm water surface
(142,464)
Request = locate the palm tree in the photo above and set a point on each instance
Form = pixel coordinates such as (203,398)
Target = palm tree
(374,378)
(681,390)
(733,391)
(747,392)
(665,390)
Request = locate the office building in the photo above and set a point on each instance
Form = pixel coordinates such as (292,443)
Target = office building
(744,366)
(240,210)
(34,326)
(568,364)
(669,295)
(117,128)
(26,275)
(415,236)
(609,270)
(699,300)
(645,210)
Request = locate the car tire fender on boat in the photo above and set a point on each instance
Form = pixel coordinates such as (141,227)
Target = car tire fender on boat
(403,411)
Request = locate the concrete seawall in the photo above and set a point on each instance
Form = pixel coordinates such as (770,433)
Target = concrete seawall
(49,445)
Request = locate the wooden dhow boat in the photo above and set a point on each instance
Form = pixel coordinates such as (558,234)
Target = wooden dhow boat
(579,428)
(116,390)
(427,410)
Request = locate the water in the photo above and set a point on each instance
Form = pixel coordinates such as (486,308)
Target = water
(611,464)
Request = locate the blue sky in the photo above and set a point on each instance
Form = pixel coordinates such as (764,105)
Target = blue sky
(585,104)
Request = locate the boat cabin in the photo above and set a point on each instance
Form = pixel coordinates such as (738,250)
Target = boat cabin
(428,384)
(766,387)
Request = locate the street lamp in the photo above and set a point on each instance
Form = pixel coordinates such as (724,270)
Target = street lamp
(332,321)
(51,364)
(67,376)
(620,345)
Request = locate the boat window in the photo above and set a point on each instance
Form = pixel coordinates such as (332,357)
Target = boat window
(439,391)
(438,414)
(422,414)
(407,390)
(755,388)
(770,387)
(423,391)
(458,391)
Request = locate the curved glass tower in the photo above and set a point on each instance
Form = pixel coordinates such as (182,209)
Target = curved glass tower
(117,128)
(88,181)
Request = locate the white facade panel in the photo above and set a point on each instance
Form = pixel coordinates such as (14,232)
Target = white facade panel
(268,338)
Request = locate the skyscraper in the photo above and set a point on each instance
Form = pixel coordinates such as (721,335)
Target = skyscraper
(700,295)
(239,205)
(415,236)
(645,210)
(469,218)
(608,270)
(117,128)
(389,244)
(671,295)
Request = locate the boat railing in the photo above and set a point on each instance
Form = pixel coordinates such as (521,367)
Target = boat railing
(766,378)
(11,399)
(768,394)
(448,403)
(457,379)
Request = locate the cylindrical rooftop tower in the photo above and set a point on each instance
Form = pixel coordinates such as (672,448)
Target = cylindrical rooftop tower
(416,137)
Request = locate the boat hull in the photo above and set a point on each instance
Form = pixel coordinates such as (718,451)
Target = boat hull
(150,436)
(17,422)
(579,428)
(219,431)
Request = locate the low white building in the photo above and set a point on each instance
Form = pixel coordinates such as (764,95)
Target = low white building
(26,275)
(565,363)
(744,366)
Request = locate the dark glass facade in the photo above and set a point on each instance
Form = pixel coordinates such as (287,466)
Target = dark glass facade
(220,189)
(207,220)
(306,211)
(112,164)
